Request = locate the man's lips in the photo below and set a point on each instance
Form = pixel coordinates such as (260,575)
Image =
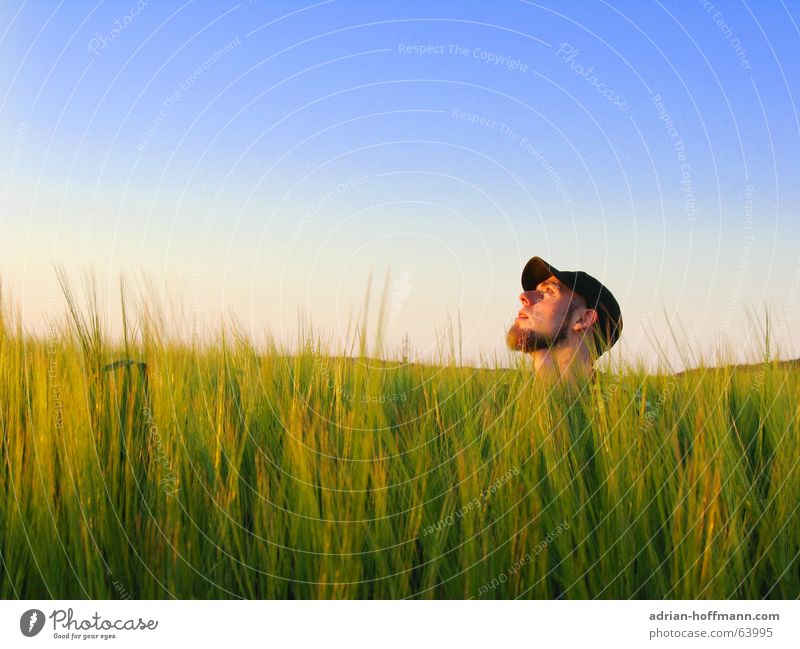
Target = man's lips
(522,316)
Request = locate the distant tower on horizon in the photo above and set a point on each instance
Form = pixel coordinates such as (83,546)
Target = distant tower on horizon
(406,347)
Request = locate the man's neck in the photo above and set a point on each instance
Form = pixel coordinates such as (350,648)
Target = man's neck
(563,362)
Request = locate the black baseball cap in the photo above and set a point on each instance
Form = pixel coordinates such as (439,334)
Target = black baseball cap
(597,296)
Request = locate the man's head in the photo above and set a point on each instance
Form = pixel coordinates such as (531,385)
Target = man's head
(562,309)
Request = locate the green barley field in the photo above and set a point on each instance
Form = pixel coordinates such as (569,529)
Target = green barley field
(149,468)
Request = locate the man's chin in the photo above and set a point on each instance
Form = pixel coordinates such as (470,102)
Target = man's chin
(526,340)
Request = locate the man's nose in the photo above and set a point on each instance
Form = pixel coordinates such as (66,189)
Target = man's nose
(530,297)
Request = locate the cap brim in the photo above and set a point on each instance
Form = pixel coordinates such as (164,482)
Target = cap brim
(535,272)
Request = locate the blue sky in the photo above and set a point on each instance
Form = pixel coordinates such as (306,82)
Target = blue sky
(266,158)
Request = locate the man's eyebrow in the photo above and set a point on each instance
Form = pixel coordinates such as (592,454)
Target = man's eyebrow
(550,282)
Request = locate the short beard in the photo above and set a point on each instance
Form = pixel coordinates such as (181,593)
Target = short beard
(527,340)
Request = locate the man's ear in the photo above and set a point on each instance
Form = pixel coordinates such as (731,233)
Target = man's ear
(585,320)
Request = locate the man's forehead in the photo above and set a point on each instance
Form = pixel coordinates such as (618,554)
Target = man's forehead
(554,281)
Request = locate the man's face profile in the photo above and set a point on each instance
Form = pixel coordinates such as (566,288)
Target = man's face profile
(544,317)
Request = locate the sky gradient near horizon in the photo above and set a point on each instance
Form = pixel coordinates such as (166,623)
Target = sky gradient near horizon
(267,158)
